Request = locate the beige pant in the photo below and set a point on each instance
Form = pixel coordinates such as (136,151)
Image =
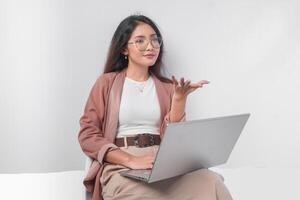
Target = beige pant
(202,184)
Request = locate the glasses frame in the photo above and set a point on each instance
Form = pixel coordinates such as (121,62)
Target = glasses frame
(151,40)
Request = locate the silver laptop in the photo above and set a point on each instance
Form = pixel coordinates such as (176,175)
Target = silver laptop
(192,145)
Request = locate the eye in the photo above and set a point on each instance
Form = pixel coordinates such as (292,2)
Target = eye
(139,41)
(156,39)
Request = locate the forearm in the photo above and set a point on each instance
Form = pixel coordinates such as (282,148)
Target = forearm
(177,109)
(118,157)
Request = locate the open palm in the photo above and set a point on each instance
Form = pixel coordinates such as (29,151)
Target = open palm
(182,88)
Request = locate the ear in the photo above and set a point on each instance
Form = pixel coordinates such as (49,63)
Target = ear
(125,51)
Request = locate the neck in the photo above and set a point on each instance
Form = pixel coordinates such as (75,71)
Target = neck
(137,73)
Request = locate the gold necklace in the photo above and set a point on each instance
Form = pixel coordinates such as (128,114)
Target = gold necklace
(138,84)
(142,89)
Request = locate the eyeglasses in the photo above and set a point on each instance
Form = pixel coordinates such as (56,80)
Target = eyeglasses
(142,44)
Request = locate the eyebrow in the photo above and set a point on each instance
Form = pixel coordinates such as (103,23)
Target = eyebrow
(144,36)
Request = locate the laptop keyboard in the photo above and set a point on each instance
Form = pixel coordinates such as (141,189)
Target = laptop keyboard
(143,173)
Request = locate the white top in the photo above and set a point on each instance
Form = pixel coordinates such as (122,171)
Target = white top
(139,111)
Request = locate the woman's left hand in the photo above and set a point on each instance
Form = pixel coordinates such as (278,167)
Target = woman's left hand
(183,88)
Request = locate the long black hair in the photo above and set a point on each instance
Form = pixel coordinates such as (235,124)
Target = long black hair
(115,59)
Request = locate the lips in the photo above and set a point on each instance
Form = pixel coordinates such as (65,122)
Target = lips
(150,56)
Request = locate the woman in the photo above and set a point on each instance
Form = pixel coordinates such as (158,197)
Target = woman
(130,98)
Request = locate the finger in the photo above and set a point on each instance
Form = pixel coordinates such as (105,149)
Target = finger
(199,84)
(149,160)
(182,82)
(204,82)
(153,160)
(174,80)
(148,165)
(151,156)
(186,85)
(195,85)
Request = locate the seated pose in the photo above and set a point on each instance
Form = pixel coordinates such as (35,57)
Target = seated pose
(132,97)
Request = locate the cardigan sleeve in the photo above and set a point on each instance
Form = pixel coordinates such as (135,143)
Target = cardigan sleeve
(90,136)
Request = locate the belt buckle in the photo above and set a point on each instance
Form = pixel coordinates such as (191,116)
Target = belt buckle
(137,143)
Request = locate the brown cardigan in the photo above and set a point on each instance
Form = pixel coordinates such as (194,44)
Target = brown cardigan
(98,124)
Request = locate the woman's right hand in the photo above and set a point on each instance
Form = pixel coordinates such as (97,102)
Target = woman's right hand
(120,157)
(140,162)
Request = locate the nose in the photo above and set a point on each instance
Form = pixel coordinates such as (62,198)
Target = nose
(149,46)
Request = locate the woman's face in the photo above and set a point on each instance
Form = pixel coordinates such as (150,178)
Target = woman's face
(141,37)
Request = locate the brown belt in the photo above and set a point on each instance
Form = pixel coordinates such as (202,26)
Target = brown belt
(140,140)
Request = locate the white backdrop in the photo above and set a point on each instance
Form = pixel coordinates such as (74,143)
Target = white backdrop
(51,52)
